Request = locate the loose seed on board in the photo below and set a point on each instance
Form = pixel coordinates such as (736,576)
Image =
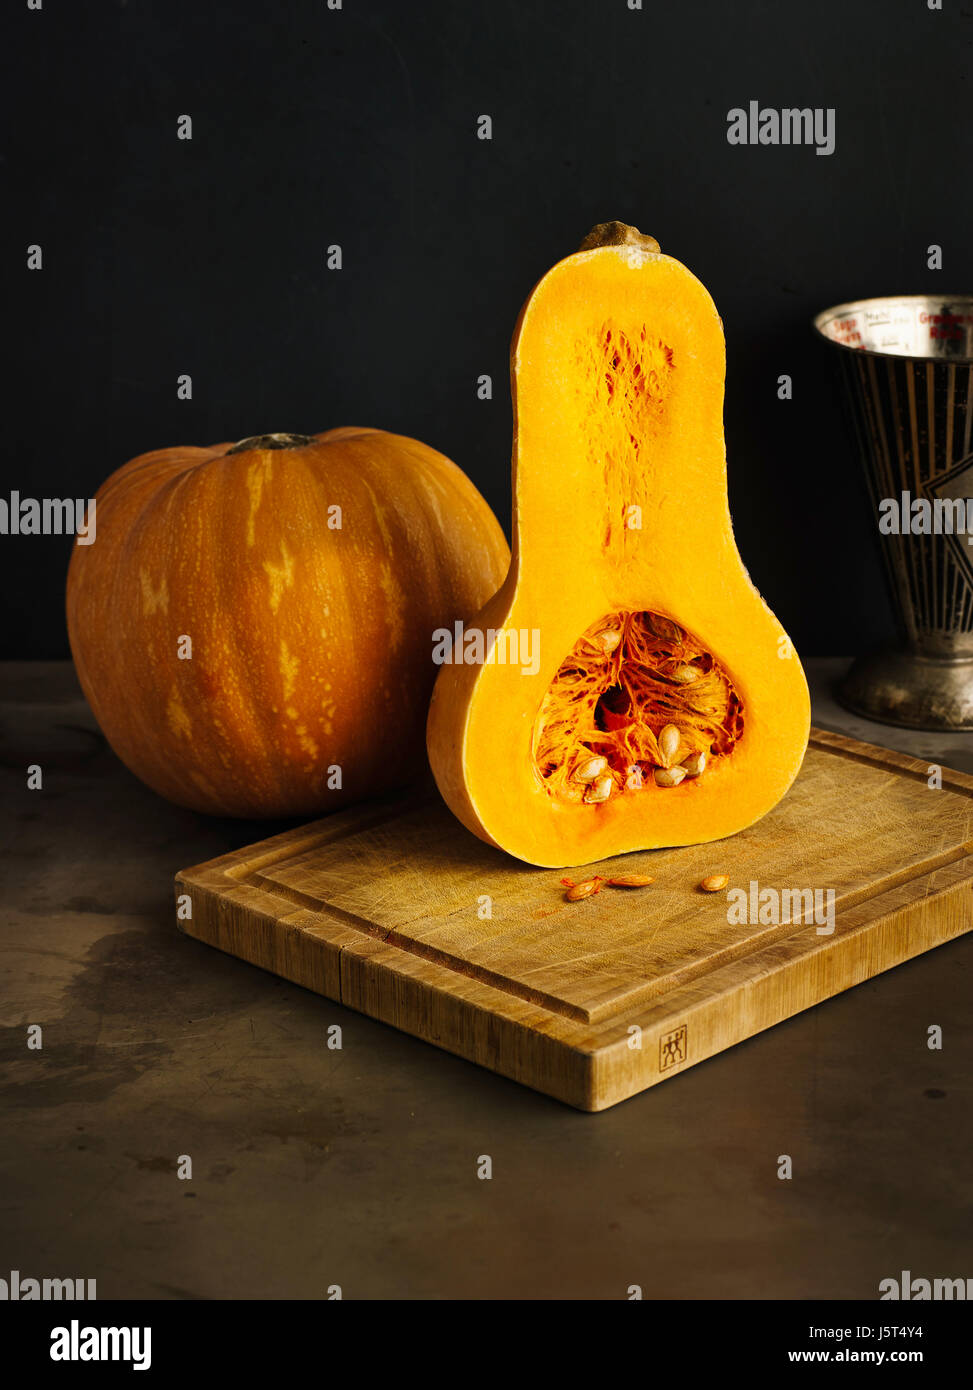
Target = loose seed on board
(599,790)
(695,764)
(590,769)
(669,741)
(714,883)
(630,881)
(685,675)
(577,891)
(669,776)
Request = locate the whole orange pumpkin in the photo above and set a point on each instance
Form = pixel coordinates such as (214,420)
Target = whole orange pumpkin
(252,626)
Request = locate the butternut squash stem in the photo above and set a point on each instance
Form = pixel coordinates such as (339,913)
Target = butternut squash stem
(618,234)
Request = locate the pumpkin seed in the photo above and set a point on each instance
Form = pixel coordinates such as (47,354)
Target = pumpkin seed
(664,629)
(577,891)
(695,764)
(685,675)
(669,776)
(714,883)
(603,642)
(669,741)
(589,769)
(608,639)
(599,790)
(630,881)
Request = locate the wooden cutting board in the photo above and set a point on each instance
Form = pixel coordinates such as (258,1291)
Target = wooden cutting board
(383,908)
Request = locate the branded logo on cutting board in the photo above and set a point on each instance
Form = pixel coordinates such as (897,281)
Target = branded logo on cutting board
(673,1047)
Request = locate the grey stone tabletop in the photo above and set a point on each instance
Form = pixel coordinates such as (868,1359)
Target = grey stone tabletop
(357,1168)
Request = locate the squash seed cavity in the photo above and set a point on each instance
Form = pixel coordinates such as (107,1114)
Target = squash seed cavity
(639,706)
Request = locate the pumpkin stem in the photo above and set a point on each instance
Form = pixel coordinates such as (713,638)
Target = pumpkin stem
(271,441)
(617,234)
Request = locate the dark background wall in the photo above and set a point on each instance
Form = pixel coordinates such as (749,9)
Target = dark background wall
(358,126)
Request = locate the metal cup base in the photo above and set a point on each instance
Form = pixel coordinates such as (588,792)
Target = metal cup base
(904,688)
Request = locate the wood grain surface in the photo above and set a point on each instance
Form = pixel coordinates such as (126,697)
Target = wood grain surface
(382,908)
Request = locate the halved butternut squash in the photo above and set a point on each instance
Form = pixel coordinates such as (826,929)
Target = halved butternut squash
(640,692)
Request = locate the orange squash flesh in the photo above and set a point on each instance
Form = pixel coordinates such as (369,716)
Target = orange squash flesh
(621,522)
